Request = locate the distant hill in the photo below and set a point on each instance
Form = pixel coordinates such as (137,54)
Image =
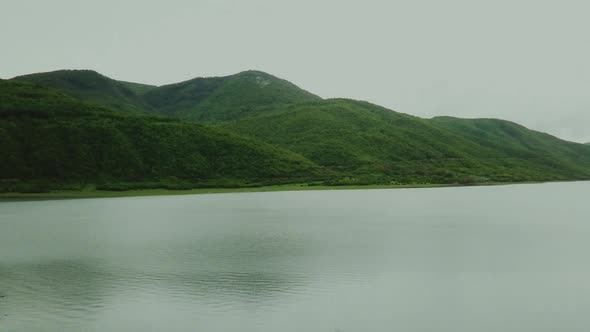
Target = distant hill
(375,144)
(50,140)
(93,87)
(301,135)
(226,98)
(202,99)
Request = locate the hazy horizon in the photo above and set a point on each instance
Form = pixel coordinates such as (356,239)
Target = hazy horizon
(522,61)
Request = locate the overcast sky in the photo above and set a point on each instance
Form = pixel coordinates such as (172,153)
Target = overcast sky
(523,60)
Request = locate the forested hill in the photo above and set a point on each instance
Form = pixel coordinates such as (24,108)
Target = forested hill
(226,98)
(374,144)
(93,87)
(50,140)
(203,99)
(255,128)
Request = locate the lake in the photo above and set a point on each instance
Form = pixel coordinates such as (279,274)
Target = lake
(505,258)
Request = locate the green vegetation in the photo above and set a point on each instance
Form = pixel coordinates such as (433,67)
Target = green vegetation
(370,144)
(50,141)
(77,130)
(203,99)
(92,87)
(94,193)
(226,98)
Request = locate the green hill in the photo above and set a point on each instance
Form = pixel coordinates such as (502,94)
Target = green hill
(202,99)
(226,98)
(354,142)
(93,87)
(368,144)
(51,140)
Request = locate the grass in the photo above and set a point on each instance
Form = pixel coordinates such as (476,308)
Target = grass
(73,194)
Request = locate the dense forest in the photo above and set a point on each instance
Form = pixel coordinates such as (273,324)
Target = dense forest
(74,129)
(371,142)
(52,141)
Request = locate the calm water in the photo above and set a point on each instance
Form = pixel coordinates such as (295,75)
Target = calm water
(510,258)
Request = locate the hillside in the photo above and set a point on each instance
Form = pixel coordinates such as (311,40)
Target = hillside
(374,144)
(511,139)
(226,98)
(354,142)
(93,87)
(51,140)
(201,99)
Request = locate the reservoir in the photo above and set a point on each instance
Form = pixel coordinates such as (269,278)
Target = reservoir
(500,258)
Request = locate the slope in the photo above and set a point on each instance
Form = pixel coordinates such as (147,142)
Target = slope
(90,86)
(359,142)
(52,139)
(226,98)
(369,144)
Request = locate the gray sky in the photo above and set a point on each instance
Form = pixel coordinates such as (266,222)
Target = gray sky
(523,60)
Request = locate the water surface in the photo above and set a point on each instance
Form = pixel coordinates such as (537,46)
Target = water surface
(508,258)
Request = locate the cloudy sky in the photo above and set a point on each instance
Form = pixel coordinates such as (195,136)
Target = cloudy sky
(523,60)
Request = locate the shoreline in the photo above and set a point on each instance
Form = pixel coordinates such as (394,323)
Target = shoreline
(75,194)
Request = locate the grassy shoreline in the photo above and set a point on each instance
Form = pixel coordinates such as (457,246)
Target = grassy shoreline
(77,194)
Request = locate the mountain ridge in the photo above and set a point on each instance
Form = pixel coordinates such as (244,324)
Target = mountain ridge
(350,141)
(91,86)
(373,141)
(226,97)
(53,141)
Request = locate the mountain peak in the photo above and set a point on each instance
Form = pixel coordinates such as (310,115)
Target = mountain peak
(226,98)
(253,72)
(261,78)
(92,86)
(62,73)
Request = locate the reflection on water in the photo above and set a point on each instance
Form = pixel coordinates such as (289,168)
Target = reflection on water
(462,259)
(67,293)
(57,291)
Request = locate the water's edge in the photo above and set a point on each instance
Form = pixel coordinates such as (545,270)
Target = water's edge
(80,194)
